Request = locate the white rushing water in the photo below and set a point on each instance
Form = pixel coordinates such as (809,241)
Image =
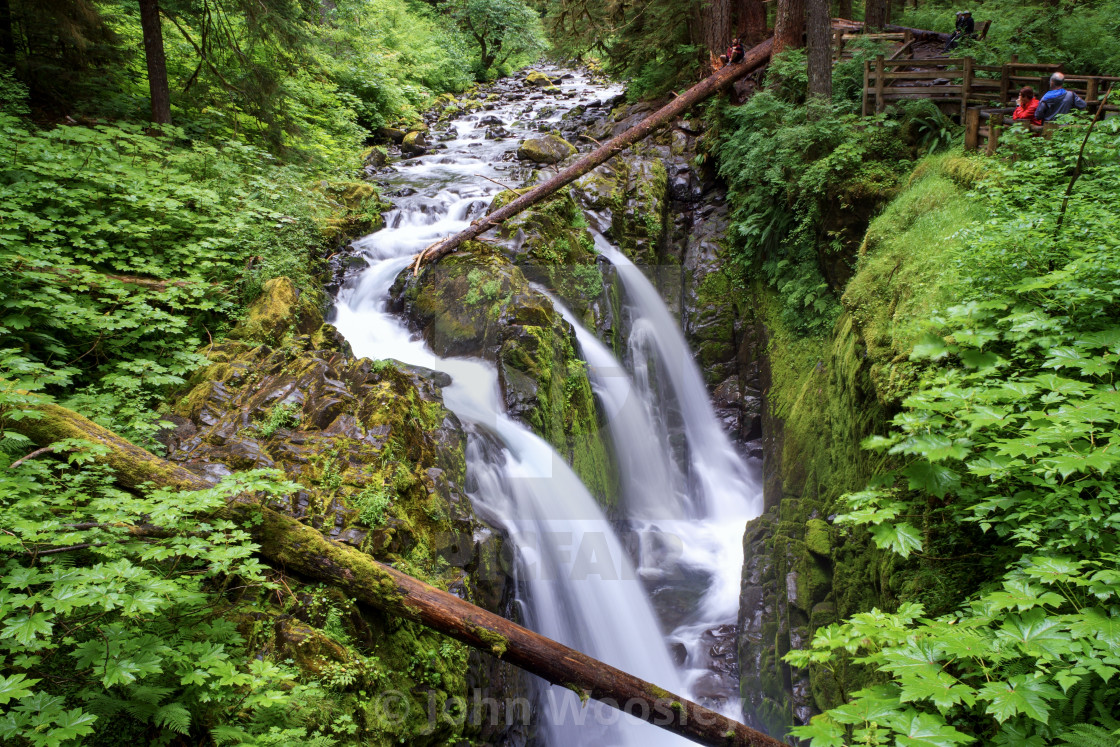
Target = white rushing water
(579,585)
(688,500)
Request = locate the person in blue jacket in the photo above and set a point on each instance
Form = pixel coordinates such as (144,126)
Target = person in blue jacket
(1057,100)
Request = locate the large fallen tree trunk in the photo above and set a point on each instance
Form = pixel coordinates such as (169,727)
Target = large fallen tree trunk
(293,546)
(754,58)
(920,34)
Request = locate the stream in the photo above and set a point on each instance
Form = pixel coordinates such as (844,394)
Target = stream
(685,499)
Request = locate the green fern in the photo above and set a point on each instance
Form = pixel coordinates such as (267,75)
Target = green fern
(174,717)
(1088,735)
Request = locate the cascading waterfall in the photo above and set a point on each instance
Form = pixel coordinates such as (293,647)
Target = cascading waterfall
(579,586)
(686,527)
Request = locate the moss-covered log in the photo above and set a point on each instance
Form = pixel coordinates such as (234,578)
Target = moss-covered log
(296,547)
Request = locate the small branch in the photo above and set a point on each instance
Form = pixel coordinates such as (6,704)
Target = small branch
(70,548)
(1080,162)
(32,455)
(504,186)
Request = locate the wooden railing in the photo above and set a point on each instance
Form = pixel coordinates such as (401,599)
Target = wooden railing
(956,84)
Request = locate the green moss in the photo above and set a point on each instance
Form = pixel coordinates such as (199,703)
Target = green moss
(555,248)
(497,642)
(896,288)
(816,537)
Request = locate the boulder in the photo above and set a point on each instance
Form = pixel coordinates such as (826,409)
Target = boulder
(375,157)
(280,307)
(538,80)
(392,134)
(548,149)
(415,143)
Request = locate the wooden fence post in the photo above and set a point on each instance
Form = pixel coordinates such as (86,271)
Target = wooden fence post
(995,129)
(971,128)
(880,102)
(966,85)
(866,82)
(1091,90)
(1004,84)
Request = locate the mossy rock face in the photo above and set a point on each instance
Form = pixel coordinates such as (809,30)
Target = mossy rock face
(547,149)
(358,207)
(476,303)
(816,538)
(381,466)
(551,244)
(632,190)
(280,309)
(825,396)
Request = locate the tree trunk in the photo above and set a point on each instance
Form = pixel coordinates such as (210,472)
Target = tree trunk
(751,21)
(157,63)
(715,25)
(874,14)
(290,545)
(7,40)
(845,9)
(819,27)
(754,58)
(920,34)
(789,25)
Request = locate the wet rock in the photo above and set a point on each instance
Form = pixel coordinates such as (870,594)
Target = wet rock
(280,308)
(415,143)
(548,149)
(538,80)
(498,133)
(391,134)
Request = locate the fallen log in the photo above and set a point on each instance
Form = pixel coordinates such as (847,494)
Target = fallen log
(293,546)
(920,34)
(754,58)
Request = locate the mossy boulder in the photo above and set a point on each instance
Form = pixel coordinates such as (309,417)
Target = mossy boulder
(537,79)
(280,309)
(476,303)
(391,134)
(375,157)
(545,150)
(552,245)
(357,208)
(415,143)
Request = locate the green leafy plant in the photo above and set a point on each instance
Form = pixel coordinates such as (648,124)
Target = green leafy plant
(1011,432)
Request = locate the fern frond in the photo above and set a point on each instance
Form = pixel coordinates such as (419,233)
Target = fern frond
(1088,735)
(149,693)
(175,717)
(226,734)
(105,705)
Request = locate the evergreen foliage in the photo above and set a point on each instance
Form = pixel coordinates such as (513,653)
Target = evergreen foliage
(1010,431)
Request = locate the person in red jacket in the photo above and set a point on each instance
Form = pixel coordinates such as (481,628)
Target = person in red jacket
(1027,105)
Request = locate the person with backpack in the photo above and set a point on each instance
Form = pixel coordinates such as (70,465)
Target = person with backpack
(965,27)
(1057,100)
(735,53)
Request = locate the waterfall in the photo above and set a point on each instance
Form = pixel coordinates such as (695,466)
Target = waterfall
(576,581)
(688,528)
